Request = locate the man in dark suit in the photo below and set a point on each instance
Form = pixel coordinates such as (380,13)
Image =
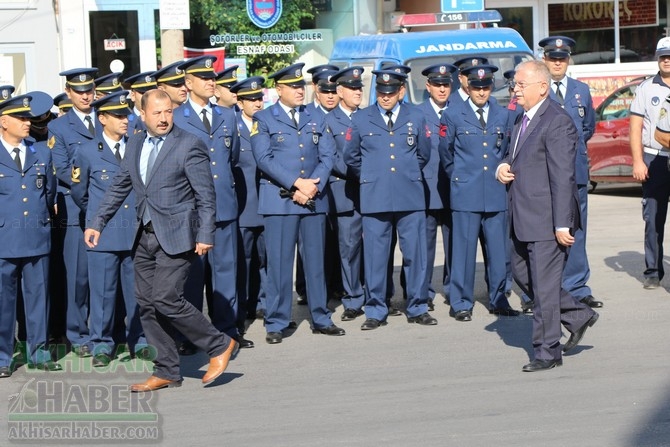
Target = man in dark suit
(294,151)
(175,209)
(544,212)
(27,192)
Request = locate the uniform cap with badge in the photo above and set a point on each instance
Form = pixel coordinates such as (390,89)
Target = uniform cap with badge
(6,92)
(115,103)
(18,106)
(480,75)
(109,83)
(170,75)
(324,82)
(141,82)
(227,76)
(557,47)
(80,79)
(388,81)
(63,102)
(470,61)
(439,74)
(350,77)
(250,88)
(315,70)
(663,47)
(290,76)
(201,66)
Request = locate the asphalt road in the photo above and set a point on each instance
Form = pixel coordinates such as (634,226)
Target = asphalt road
(454,384)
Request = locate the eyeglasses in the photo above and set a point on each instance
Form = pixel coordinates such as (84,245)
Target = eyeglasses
(522,85)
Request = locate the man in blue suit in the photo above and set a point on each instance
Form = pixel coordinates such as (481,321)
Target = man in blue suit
(386,147)
(66,136)
(462,65)
(110,263)
(435,180)
(477,135)
(294,151)
(544,212)
(251,259)
(168,170)
(27,193)
(216,127)
(138,85)
(575,98)
(344,203)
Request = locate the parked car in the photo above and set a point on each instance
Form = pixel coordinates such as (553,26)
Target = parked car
(609,147)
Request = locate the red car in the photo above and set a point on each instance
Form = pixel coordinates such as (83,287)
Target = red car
(609,148)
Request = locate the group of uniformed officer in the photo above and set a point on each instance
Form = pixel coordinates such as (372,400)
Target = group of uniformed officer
(292,175)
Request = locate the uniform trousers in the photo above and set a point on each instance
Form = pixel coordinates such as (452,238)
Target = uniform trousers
(76,278)
(655,194)
(349,229)
(251,272)
(577,271)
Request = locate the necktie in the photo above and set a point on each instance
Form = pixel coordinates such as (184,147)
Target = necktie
(89,124)
(205,121)
(293,117)
(559,94)
(17,158)
(117,151)
(389,123)
(439,112)
(524,124)
(155,141)
(480,111)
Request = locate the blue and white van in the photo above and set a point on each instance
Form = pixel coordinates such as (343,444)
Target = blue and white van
(504,48)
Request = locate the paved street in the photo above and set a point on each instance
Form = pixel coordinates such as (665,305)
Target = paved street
(455,384)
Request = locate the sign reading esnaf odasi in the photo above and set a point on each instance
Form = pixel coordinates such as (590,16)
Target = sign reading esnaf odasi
(264,13)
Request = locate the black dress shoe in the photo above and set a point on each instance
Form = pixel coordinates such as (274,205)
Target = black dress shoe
(541,365)
(393,311)
(330,330)
(371,324)
(431,305)
(505,312)
(351,314)
(527,307)
(592,302)
(424,319)
(5,371)
(463,315)
(260,314)
(651,283)
(273,337)
(46,366)
(576,336)
(244,343)
(292,325)
(187,348)
(301,300)
(101,360)
(82,350)
(145,353)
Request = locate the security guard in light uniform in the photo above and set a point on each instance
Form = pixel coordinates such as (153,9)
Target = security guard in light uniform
(476,140)
(294,151)
(27,193)
(251,259)
(67,135)
(216,127)
(386,147)
(138,85)
(575,98)
(344,203)
(110,263)
(435,180)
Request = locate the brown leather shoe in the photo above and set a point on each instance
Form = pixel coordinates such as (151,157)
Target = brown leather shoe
(154,383)
(218,364)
